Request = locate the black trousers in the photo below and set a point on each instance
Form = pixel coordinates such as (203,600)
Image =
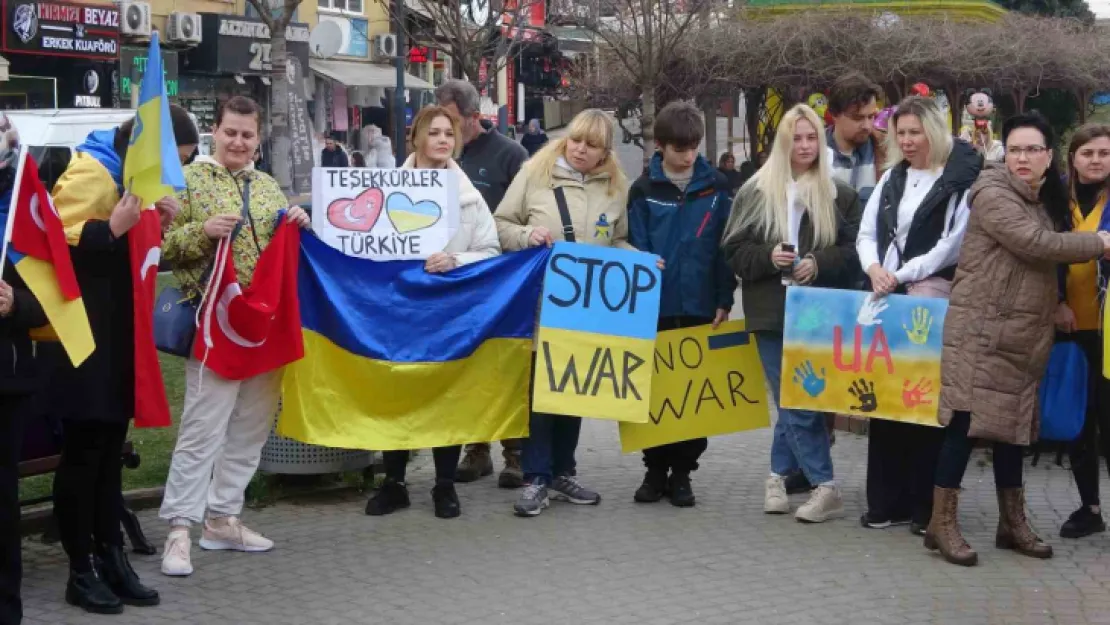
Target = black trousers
(87,488)
(446,461)
(956,452)
(1094,441)
(11,567)
(901,463)
(680,457)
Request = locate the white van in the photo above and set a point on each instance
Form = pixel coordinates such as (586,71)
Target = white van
(51,135)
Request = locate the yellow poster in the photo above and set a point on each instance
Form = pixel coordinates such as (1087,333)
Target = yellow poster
(704,383)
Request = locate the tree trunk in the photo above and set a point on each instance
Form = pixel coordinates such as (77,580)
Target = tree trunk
(279,111)
(753,99)
(647,123)
(710,109)
(1083,97)
(730,123)
(954,107)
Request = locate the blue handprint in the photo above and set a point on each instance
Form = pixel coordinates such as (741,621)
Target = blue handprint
(812,383)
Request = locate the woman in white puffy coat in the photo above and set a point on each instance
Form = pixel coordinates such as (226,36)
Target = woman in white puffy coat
(436,138)
(379,149)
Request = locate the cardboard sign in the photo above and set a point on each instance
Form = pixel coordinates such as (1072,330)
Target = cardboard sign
(704,383)
(385,214)
(598,319)
(851,353)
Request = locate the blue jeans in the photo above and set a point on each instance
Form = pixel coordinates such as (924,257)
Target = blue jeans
(801,440)
(548,451)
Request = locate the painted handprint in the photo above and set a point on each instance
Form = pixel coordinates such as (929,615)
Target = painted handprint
(915,396)
(922,323)
(864,391)
(870,311)
(808,378)
(812,318)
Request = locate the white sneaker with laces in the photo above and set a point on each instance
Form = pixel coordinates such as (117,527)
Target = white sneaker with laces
(775,500)
(824,504)
(231,535)
(175,556)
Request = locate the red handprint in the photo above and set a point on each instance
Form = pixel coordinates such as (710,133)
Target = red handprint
(358,214)
(915,396)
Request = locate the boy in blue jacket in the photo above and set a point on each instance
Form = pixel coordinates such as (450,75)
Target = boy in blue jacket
(678,209)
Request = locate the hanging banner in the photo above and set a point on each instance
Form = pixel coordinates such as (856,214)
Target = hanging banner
(850,353)
(598,319)
(385,214)
(704,383)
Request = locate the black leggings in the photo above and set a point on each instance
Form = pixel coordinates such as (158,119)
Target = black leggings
(87,488)
(446,460)
(11,570)
(1094,441)
(956,452)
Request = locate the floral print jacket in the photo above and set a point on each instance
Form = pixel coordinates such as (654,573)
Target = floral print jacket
(212,189)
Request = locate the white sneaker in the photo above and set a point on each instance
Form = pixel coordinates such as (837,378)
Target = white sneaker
(825,503)
(175,556)
(775,500)
(232,535)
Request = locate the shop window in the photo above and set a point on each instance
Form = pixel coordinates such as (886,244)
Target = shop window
(52,162)
(347,6)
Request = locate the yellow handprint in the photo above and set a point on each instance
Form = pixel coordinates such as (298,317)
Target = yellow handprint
(922,323)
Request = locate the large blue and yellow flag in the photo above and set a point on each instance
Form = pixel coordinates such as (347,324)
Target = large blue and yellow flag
(152,169)
(397,358)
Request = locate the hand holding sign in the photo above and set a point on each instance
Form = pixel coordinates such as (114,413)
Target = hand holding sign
(922,323)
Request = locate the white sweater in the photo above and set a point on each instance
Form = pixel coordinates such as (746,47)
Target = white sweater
(476,238)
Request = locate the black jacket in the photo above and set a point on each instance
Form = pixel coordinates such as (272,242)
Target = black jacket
(333,158)
(491,161)
(18,370)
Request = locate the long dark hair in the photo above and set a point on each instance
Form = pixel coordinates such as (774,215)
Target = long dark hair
(1054,193)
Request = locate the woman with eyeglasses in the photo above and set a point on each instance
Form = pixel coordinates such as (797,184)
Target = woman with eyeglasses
(999,331)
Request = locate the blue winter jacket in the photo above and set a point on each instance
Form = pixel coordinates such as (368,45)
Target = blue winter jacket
(685,228)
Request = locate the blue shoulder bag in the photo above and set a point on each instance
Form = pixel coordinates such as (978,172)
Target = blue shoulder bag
(1063,393)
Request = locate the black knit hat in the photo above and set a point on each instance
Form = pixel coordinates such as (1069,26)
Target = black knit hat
(184,130)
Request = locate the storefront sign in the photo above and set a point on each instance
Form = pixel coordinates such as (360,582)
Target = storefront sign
(132,62)
(87,95)
(242,45)
(57,29)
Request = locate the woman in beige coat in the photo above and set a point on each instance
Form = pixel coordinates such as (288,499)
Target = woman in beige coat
(999,330)
(582,167)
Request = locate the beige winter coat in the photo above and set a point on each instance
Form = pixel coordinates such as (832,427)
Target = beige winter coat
(476,238)
(598,218)
(998,332)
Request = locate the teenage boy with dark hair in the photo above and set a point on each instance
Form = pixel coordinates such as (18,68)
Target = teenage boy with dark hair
(857,153)
(678,209)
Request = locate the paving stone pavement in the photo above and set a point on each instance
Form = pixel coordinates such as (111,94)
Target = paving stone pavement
(723,561)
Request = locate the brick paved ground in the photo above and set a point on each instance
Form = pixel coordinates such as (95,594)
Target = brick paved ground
(721,562)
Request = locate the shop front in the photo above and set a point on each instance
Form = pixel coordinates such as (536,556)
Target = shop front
(59,55)
(132,66)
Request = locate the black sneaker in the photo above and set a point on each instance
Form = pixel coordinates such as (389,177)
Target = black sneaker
(653,489)
(873,521)
(682,494)
(446,501)
(390,498)
(1082,523)
(797,484)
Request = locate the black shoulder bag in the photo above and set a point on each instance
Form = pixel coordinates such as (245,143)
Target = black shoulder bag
(564,215)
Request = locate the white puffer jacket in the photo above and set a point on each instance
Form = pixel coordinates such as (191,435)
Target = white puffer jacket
(476,238)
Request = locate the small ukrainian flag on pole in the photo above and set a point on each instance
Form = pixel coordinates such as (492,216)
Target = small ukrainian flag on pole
(152,169)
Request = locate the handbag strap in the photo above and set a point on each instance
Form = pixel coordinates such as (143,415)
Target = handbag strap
(564,214)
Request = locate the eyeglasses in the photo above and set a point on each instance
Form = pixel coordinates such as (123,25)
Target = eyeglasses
(1028,150)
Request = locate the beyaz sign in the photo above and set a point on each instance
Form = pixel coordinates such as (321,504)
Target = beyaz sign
(86,31)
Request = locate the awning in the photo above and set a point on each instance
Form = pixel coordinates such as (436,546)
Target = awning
(4,65)
(355,74)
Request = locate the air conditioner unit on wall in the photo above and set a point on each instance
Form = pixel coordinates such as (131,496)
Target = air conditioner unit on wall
(183,28)
(385,46)
(134,18)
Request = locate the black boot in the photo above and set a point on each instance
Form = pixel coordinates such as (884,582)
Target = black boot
(446,501)
(89,592)
(653,488)
(682,494)
(796,483)
(122,579)
(390,498)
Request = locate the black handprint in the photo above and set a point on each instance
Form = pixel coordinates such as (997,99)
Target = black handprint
(864,391)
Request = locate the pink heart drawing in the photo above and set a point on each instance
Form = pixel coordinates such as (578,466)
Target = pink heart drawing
(358,214)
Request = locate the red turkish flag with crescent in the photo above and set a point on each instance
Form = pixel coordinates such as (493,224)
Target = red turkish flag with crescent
(37,231)
(251,331)
(144,241)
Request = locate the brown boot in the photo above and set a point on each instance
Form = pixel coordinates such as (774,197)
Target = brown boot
(512,476)
(1013,528)
(943,532)
(475,464)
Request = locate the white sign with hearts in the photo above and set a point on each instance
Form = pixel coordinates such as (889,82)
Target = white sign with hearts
(385,214)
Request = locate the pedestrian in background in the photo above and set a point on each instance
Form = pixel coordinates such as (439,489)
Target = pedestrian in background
(999,331)
(727,166)
(333,155)
(357,159)
(678,211)
(534,138)
(793,223)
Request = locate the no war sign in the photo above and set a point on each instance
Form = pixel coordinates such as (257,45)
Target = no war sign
(598,319)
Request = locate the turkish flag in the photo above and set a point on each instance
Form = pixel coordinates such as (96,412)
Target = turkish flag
(144,241)
(248,332)
(37,230)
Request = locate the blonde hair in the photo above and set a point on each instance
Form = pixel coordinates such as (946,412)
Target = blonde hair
(595,128)
(423,122)
(934,124)
(815,188)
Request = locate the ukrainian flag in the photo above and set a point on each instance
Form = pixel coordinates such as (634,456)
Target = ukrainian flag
(152,169)
(397,358)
